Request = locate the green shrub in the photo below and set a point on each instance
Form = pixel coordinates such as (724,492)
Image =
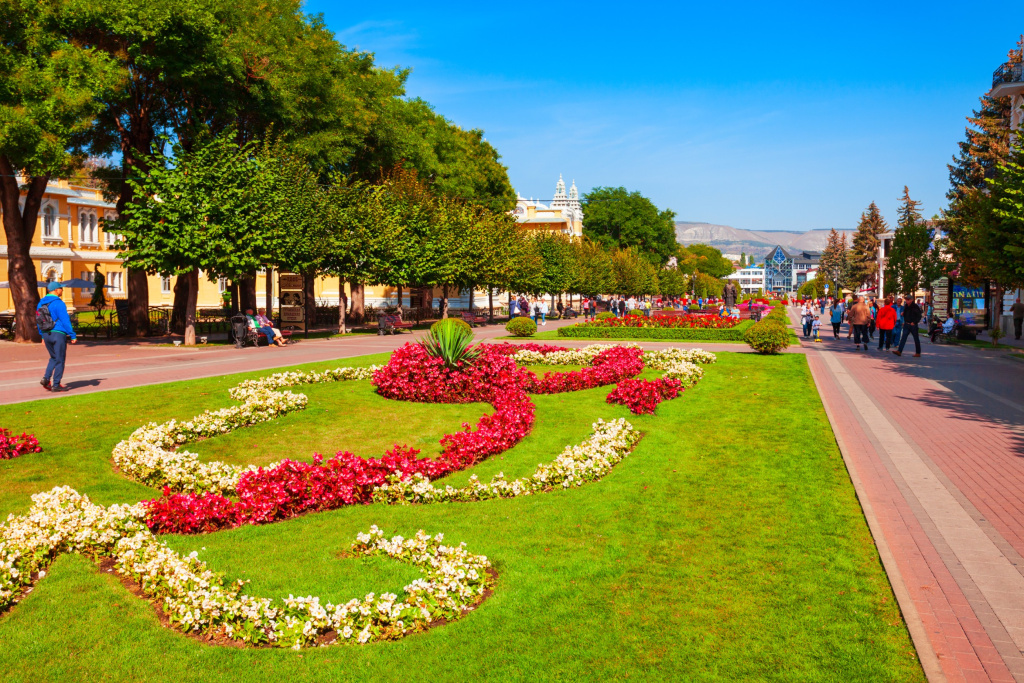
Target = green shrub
(585,331)
(452,322)
(693,307)
(521,327)
(767,336)
(635,311)
(605,315)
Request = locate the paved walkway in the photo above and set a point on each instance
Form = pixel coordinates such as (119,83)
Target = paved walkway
(935,448)
(103,366)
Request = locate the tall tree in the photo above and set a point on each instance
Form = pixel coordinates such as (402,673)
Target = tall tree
(863,257)
(596,273)
(616,217)
(51,87)
(912,261)
(834,265)
(1004,239)
(710,260)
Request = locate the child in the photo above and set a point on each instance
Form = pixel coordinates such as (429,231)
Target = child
(815,326)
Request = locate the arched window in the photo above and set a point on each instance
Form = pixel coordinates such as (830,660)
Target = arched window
(83,227)
(50,222)
(93,234)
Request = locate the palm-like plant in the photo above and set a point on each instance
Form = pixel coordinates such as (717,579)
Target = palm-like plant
(451,343)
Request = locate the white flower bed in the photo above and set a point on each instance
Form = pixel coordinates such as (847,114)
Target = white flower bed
(149,454)
(582,356)
(196,600)
(661,360)
(576,465)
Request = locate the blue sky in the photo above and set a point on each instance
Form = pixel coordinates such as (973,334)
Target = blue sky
(793,116)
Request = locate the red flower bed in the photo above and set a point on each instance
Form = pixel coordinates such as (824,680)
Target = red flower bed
(608,367)
(711,321)
(13,446)
(643,396)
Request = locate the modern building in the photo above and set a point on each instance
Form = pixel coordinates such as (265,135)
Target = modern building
(785,272)
(749,280)
(564,215)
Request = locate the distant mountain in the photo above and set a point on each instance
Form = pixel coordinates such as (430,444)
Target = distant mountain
(734,241)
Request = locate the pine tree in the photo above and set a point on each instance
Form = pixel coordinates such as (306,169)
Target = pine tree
(833,265)
(912,262)
(864,255)
(1004,236)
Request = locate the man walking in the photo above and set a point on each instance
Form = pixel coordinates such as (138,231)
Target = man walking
(911,317)
(837,317)
(859,316)
(55,329)
(1017,310)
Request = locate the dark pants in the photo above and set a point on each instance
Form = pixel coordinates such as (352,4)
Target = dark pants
(1017,324)
(884,338)
(835,329)
(871,328)
(860,334)
(807,327)
(57,346)
(908,330)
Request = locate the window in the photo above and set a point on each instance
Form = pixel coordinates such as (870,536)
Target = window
(116,282)
(87,228)
(50,228)
(91,277)
(165,284)
(109,238)
(222,285)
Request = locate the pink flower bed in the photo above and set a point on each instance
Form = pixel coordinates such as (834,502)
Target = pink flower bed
(643,396)
(13,446)
(294,488)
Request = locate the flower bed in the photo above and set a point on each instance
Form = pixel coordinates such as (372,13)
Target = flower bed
(642,396)
(12,446)
(682,320)
(597,331)
(576,465)
(196,600)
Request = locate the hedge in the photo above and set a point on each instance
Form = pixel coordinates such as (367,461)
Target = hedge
(586,331)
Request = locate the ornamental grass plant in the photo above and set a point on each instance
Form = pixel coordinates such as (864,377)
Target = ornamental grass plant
(451,340)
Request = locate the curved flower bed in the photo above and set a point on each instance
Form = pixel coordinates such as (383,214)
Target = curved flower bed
(196,600)
(642,396)
(576,465)
(12,446)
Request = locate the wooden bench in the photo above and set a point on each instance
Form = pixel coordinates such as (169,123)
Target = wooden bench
(389,324)
(473,319)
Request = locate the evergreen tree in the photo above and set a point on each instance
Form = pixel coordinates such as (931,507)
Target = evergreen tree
(1004,238)
(743,259)
(912,262)
(864,255)
(834,266)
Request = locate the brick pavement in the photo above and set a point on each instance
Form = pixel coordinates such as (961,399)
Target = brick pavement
(934,448)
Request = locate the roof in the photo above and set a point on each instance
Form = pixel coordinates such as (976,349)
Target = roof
(90,202)
(546,220)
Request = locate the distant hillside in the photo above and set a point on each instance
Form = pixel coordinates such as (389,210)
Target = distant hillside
(757,242)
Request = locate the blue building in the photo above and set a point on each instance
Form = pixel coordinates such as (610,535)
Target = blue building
(785,272)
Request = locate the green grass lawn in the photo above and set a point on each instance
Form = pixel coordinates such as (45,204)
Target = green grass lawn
(728,546)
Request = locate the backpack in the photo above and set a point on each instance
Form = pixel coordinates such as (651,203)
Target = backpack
(44,321)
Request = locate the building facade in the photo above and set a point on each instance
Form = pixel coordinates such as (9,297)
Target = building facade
(564,215)
(785,272)
(749,280)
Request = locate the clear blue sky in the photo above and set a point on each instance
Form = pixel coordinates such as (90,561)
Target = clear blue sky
(793,116)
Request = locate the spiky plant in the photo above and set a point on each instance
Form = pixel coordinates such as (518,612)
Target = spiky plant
(451,343)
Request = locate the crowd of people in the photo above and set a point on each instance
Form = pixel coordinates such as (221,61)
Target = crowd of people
(538,309)
(895,319)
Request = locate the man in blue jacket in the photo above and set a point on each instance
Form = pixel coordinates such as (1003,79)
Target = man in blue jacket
(55,329)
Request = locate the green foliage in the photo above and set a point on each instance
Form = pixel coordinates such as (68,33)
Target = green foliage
(863,258)
(694,307)
(636,312)
(452,343)
(1004,239)
(705,286)
(634,275)
(672,282)
(588,331)
(605,315)
(834,267)
(812,289)
(596,275)
(451,322)
(912,263)
(521,327)
(768,336)
(616,217)
(703,258)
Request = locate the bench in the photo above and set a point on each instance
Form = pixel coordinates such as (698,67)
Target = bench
(389,324)
(472,319)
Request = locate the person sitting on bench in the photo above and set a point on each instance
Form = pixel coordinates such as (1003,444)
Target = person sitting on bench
(267,323)
(264,326)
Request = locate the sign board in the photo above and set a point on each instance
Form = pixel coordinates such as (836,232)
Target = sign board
(940,298)
(968,304)
(292,298)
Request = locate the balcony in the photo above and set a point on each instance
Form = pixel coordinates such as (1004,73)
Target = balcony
(1008,79)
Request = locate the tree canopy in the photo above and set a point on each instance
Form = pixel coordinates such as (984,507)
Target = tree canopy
(616,217)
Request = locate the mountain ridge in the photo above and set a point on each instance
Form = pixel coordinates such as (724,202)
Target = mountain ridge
(734,241)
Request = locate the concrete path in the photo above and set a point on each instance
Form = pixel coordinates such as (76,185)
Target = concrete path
(104,366)
(935,448)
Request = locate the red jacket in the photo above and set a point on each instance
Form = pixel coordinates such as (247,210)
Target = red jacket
(886,319)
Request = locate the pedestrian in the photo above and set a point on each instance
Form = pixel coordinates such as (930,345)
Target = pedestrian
(1017,310)
(911,317)
(837,318)
(886,321)
(806,318)
(859,316)
(561,309)
(543,305)
(815,328)
(872,325)
(55,328)
(534,309)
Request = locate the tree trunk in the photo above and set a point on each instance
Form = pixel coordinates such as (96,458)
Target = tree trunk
(358,301)
(270,293)
(309,294)
(490,304)
(192,286)
(20,228)
(472,296)
(341,305)
(180,303)
(444,302)
(510,304)
(233,290)
(247,292)
(138,303)
(399,291)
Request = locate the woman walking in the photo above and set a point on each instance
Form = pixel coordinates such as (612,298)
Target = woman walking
(886,321)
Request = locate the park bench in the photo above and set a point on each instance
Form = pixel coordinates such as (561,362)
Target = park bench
(473,319)
(389,324)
